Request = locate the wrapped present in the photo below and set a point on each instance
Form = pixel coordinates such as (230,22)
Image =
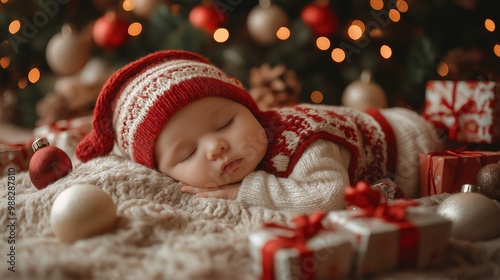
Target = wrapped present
(391,236)
(469,110)
(307,251)
(65,134)
(15,155)
(446,172)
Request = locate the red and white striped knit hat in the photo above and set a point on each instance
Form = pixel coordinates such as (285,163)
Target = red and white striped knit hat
(137,101)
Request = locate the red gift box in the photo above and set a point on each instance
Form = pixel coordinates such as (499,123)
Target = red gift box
(446,172)
(306,251)
(470,110)
(15,155)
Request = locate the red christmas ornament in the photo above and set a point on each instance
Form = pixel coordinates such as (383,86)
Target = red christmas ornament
(110,31)
(320,18)
(207,17)
(48,164)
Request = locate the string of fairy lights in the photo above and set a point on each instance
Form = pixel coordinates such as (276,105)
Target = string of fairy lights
(356,30)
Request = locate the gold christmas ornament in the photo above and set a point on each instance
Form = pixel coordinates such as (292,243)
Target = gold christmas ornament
(488,180)
(273,86)
(364,93)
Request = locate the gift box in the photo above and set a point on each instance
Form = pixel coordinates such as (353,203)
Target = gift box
(15,155)
(469,110)
(446,172)
(65,134)
(307,251)
(392,236)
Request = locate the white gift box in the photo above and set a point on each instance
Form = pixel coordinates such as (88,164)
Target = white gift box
(419,241)
(329,256)
(65,134)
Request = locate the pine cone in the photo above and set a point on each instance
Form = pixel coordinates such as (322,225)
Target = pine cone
(273,87)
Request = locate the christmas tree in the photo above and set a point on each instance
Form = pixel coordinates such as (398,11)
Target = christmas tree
(55,54)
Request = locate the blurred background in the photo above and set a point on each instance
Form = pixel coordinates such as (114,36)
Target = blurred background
(55,55)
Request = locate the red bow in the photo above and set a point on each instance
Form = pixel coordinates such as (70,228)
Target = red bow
(470,106)
(305,228)
(368,200)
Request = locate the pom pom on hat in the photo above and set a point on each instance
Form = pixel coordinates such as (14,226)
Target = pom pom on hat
(137,101)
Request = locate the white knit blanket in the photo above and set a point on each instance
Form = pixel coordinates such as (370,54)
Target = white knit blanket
(164,234)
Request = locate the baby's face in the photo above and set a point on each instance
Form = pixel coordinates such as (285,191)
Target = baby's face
(210,142)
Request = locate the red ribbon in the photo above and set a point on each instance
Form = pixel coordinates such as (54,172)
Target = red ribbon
(431,185)
(305,228)
(368,200)
(24,148)
(470,107)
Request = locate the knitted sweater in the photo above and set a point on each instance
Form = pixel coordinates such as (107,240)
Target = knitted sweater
(322,168)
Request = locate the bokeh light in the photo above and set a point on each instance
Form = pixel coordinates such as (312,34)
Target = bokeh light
(489,24)
(221,35)
(442,69)
(402,6)
(354,32)
(283,33)
(14,26)
(338,55)
(377,4)
(323,43)
(394,15)
(134,29)
(34,75)
(385,51)
(317,96)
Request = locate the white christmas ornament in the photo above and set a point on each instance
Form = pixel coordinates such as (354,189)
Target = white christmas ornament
(263,22)
(82,211)
(364,93)
(67,52)
(474,216)
(144,8)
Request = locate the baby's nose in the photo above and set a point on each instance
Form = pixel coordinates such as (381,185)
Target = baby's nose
(216,148)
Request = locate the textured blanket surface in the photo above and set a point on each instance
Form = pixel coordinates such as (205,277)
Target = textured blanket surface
(164,234)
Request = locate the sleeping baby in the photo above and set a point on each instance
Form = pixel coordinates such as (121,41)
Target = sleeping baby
(175,112)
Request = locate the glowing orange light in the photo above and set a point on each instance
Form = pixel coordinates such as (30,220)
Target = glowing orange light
(442,69)
(385,51)
(338,55)
(4,62)
(323,43)
(394,15)
(14,26)
(316,96)
(496,50)
(22,83)
(34,75)
(489,24)
(354,32)
(283,33)
(221,35)
(377,4)
(128,5)
(402,6)
(134,29)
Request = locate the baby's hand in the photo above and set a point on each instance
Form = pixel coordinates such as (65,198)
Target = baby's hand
(226,191)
